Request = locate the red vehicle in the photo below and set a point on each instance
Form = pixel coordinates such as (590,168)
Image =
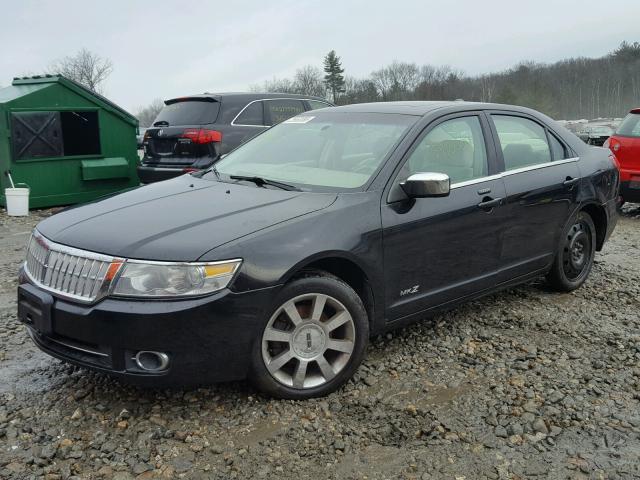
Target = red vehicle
(625,145)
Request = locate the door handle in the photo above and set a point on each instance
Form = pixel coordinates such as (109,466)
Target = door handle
(570,182)
(488,203)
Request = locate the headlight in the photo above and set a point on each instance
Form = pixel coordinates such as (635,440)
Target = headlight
(157,279)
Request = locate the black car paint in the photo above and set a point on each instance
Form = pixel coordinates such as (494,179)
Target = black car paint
(469,251)
(157,166)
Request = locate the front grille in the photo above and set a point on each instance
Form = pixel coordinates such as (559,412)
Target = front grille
(68,272)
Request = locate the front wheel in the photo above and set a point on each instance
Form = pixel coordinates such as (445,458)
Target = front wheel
(574,257)
(313,341)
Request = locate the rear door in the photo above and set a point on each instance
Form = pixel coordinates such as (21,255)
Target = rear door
(173,140)
(541,177)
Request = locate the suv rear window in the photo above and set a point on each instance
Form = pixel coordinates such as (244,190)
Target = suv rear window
(630,126)
(189,112)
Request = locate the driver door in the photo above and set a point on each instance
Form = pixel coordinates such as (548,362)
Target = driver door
(437,250)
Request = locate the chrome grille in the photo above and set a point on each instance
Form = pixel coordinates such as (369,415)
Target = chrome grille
(66,271)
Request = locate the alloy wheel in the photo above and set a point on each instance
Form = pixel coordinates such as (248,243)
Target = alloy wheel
(308,341)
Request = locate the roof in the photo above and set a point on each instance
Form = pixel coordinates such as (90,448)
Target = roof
(420,108)
(10,93)
(246,96)
(79,89)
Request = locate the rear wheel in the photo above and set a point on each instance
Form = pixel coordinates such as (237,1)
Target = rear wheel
(313,341)
(574,257)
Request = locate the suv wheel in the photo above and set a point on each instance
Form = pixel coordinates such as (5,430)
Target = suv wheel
(574,257)
(313,341)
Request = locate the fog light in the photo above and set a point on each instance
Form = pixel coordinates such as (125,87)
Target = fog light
(151,361)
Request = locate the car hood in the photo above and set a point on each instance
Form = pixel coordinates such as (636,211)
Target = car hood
(178,219)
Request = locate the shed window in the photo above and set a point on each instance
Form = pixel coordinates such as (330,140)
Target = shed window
(54,134)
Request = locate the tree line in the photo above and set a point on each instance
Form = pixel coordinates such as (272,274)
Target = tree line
(568,89)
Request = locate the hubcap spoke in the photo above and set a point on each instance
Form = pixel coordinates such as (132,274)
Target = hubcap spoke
(325,368)
(308,328)
(280,361)
(292,313)
(344,346)
(274,335)
(300,374)
(318,307)
(337,320)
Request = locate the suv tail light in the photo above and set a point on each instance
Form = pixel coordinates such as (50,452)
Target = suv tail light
(202,135)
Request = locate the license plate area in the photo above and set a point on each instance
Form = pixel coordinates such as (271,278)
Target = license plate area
(34,308)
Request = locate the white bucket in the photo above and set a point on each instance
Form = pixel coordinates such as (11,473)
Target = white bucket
(17,201)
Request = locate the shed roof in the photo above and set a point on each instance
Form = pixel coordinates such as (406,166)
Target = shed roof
(26,85)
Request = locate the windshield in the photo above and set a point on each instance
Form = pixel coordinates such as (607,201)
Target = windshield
(320,151)
(630,126)
(188,112)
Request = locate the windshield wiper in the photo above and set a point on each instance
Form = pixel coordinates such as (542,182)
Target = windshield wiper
(161,123)
(261,182)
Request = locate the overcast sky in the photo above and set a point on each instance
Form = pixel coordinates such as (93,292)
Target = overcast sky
(163,49)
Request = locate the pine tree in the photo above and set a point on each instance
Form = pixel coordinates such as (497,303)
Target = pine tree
(333,78)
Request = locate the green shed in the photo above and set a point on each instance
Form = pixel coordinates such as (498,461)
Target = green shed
(66,142)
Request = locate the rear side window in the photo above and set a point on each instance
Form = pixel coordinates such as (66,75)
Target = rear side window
(630,126)
(523,141)
(455,147)
(558,150)
(188,112)
(251,115)
(278,111)
(315,104)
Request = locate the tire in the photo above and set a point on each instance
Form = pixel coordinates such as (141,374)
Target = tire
(574,256)
(317,352)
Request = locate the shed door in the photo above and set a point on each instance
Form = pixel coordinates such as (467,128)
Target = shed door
(36,134)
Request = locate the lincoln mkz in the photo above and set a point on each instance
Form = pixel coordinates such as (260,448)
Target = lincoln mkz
(279,262)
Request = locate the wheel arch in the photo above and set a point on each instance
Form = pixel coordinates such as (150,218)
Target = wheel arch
(599,216)
(346,268)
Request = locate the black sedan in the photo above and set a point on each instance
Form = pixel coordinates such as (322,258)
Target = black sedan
(337,224)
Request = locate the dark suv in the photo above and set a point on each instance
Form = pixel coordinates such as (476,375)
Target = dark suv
(191,132)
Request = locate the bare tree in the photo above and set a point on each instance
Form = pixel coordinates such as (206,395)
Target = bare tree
(85,67)
(275,85)
(146,115)
(395,81)
(309,81)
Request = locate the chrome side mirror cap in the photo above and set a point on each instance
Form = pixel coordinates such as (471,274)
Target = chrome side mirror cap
(427,184)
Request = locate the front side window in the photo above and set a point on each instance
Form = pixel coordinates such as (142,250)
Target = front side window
(280,110)
(251,115)
(455,147)
(319,151)
(523,141)
(630,126)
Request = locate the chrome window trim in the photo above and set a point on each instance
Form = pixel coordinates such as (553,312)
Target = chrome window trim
(264,100)
(515,171)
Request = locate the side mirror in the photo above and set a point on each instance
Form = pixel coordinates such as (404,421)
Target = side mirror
(427,184)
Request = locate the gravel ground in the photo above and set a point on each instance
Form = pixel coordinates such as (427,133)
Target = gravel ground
(522,384)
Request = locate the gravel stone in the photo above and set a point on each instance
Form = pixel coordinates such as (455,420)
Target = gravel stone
(525,383)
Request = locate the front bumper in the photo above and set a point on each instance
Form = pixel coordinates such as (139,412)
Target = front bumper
(207,339)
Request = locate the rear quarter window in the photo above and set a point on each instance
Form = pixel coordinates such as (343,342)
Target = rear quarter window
(630,126)
(189,112)
(277,111)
